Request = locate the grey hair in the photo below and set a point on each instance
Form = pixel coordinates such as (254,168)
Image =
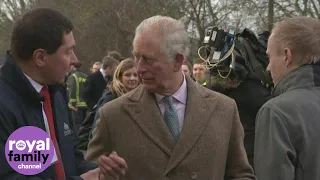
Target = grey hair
(174,36)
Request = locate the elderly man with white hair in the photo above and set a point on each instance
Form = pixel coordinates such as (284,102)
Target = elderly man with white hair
(169,127)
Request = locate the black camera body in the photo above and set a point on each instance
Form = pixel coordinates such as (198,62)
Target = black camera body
(242,54)
(219,41)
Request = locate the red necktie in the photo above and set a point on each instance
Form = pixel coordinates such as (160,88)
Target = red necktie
(48,111)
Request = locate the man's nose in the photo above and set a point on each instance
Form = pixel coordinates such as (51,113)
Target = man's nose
(140,66)
(74,59)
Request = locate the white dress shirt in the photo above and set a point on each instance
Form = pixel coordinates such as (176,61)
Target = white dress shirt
(38,88)
(103,74)
(179,101)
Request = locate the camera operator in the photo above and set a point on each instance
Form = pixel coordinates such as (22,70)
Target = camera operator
(233,77)
(249,95)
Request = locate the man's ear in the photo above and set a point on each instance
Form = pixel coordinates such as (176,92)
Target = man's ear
(108,70)
(178,61)
(39,57)
(288,56)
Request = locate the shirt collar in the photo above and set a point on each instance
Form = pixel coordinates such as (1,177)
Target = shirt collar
(180,95)
(36,85)
(103,74)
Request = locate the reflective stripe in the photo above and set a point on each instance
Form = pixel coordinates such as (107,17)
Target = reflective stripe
(77,87)
(204,84)
(79,103)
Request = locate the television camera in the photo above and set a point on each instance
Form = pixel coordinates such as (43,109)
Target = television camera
(224,52)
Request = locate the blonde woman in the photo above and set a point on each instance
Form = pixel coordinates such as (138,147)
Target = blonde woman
(125,79)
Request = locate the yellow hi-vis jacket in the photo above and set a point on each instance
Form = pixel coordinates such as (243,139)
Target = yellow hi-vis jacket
(75,85)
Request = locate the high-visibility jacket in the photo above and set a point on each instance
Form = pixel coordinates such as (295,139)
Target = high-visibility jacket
(204,84)
(75,84)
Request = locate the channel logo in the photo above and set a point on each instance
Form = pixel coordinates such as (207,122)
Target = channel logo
(29,150)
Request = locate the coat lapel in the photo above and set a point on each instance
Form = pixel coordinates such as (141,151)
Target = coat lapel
(199,108)
(100,76)
(145,112)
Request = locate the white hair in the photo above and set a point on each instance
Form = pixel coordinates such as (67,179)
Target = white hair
(174,36)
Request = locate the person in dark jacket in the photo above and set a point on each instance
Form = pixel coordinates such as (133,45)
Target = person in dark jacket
(249,95)
(40,56)
(125,79)
(96,82)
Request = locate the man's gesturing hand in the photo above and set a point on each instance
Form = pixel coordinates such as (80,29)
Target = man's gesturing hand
(113,165)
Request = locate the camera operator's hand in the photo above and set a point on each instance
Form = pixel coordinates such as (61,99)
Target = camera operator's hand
(113,165)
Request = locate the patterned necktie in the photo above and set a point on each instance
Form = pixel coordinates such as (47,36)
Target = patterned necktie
(171,117)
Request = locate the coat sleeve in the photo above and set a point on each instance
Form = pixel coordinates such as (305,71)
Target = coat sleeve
(106,97)
(238,167)
(274,152)
(82,165)
(7,127)
(100,142)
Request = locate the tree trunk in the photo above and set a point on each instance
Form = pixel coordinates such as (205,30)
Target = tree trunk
(270,14)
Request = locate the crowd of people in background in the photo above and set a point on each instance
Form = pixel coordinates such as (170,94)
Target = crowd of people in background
(161,114)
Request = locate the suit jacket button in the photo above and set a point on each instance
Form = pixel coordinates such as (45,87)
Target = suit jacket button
(193,175)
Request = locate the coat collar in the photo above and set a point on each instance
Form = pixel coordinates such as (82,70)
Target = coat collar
(12,74)
(200,105)
(180,95)
(304,77)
